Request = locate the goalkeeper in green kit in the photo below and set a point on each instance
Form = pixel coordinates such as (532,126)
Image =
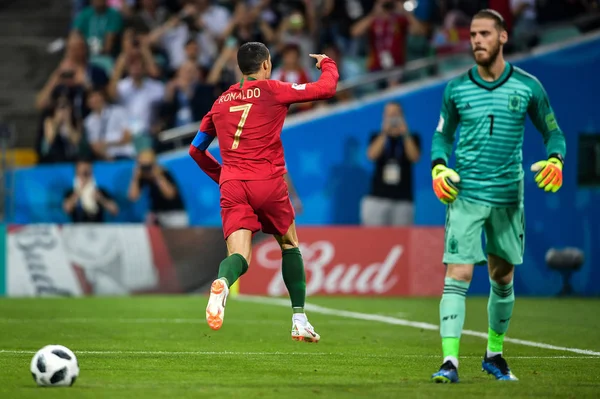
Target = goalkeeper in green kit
(484,191)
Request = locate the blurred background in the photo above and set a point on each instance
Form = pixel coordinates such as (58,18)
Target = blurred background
(100,100)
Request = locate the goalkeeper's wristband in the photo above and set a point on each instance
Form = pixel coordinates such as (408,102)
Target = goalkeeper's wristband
(549,173)
(442,180)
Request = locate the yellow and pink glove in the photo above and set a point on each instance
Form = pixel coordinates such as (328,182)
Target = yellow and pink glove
(549,174)
(443,179)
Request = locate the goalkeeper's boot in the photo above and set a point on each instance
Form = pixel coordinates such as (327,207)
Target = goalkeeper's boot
(497,366)
(215,311)
(447,374)
(302,330)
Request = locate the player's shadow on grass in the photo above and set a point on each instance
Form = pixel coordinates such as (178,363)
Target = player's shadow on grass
(348,183)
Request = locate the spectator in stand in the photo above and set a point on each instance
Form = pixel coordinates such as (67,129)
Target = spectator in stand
(338,16)
(213,19)
(173,35)
(420,31)
(246,26)
(73,75)
(124,7)
(166,205)
(298,28)
(151,14)
(107,129)
(394,150)
(61,137)
(386,27)
(100,25)
(85,202)
(192,52)
(63,83)
(293,71)
(187,97)
(526,26)
(198,20)
(225,71)
(139,94)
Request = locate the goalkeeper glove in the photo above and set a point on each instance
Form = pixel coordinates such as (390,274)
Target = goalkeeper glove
(549,173)
(443,179)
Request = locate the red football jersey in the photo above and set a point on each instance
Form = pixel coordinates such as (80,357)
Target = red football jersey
(247,120)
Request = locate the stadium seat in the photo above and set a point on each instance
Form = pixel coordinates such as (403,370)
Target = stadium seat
(21,157)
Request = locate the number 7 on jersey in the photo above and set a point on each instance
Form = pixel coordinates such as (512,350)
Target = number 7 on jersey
(245,108)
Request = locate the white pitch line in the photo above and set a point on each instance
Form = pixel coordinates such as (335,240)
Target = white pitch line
(407,323)
(101,320)
(167,353)
(226,353)
(133,320)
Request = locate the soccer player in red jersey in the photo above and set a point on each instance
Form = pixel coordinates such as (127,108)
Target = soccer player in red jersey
(247,119)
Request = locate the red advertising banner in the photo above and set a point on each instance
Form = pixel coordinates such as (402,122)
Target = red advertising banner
(355,261)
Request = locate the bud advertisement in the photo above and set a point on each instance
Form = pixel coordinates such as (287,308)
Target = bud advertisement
(76,260)
(88,259)
(355,261)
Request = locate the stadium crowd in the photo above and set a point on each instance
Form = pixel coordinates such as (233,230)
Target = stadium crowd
(134,68)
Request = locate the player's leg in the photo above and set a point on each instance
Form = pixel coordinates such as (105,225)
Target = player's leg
(276,216)
(239,247)
(294,277)
(239,223)
(239,251)
(292,268)
(462,250)
(500,308)
(505,245)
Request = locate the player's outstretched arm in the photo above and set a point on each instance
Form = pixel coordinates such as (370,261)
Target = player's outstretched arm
(443,178)
(199,149)
(324,88)
(548,172)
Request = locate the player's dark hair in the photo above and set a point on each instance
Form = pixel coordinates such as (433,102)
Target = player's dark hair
(250,57)
(494,16)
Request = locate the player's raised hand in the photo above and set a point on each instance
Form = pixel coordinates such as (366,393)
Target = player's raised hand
(319,58)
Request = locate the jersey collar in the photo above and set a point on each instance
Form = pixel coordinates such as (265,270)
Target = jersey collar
(250,78)
(475,78)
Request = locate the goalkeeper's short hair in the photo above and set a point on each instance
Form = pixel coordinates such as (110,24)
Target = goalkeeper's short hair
(494,16)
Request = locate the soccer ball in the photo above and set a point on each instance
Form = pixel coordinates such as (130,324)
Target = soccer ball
(54,366)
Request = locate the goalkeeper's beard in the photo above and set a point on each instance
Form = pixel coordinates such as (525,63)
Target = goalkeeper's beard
(493,56)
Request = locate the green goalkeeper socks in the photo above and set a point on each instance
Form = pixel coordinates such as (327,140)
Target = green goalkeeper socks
(294,278)
(452,316)
(232,267)
(500,308)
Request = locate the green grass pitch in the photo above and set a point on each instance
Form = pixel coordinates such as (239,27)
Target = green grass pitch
(160,347)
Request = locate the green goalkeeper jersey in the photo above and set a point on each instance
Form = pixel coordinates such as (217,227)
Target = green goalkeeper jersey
(491,115)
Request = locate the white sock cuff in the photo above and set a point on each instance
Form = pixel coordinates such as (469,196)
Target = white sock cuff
(452,360)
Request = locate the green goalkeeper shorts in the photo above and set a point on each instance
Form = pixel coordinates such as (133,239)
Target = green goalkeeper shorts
(504,230)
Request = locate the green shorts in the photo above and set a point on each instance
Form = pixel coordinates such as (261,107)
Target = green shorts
(504,230)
